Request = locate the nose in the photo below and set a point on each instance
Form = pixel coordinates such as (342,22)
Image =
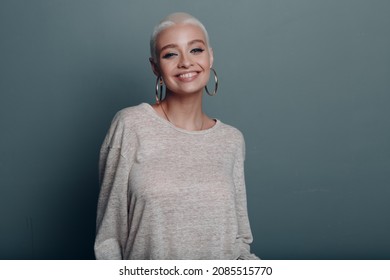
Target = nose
(185,61)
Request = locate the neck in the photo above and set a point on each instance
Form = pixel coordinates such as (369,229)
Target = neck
(184,112)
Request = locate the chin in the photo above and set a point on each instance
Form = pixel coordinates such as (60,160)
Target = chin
(189,89)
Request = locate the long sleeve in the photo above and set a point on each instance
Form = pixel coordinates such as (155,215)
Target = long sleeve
(244,232)
(112,214)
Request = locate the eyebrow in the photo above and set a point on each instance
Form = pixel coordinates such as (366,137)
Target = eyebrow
(189,43)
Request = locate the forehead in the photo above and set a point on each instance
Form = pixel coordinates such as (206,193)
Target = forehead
(179,34)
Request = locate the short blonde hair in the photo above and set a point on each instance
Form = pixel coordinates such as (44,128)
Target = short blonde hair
(170,20)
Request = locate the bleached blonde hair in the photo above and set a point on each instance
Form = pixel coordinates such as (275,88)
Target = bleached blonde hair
(172,19)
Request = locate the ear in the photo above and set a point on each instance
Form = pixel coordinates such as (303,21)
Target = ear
(154,66)
(211,57)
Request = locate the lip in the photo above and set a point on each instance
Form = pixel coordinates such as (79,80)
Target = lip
(187,76)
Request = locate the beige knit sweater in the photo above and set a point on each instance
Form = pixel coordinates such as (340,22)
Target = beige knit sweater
(169,193)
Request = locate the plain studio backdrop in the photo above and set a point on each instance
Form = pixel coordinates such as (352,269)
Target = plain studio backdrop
(306,81)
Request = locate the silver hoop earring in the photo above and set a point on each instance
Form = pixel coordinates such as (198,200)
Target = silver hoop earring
(216,84)
(159,89)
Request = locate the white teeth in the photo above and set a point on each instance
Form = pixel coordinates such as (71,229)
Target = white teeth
(187,75)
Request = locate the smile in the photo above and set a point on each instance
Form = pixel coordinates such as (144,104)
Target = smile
(186,76)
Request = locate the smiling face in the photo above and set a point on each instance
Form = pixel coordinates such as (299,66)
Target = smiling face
(183,58)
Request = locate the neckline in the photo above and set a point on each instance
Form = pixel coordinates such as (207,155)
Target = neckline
(154,114)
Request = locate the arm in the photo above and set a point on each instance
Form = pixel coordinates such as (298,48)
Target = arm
(112,214)
(244,234)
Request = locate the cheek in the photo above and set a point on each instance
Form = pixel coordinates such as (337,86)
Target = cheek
(207,61)
(164,69)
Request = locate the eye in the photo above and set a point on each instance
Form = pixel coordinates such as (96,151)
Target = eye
(168,55)
(197,50)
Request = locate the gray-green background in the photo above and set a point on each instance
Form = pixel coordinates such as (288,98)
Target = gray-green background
(306,81)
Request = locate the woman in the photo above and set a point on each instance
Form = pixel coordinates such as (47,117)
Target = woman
(172,180)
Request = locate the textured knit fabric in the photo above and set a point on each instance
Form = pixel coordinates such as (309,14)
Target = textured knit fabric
(169,193)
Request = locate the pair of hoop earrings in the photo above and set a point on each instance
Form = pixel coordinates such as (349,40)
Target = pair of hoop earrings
(159,87)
